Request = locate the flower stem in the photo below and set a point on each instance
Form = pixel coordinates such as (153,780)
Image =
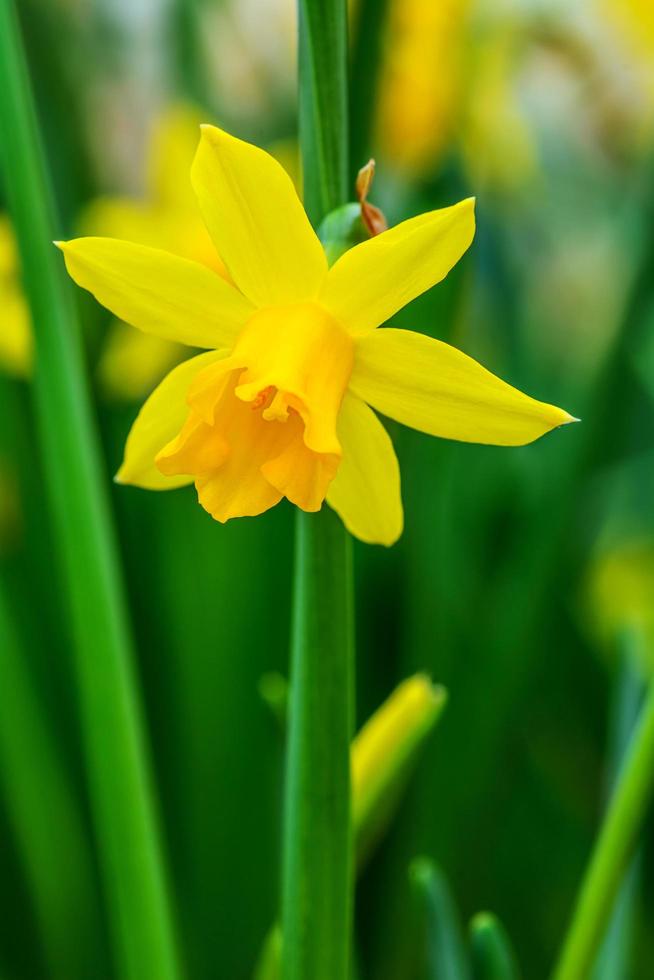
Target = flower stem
(617,838)
(323,105)
(118,770)
(317,902)
(317,871)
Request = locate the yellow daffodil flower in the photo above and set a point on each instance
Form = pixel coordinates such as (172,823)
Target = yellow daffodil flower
(280,404)
(15,324)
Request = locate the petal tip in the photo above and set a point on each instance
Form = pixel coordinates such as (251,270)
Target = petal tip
(60,245)
(210,133)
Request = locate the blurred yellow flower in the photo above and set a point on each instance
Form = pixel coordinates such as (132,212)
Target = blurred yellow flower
(449,78)
(15,327)
(279,406)
(167,217)
(620,590)
(629,38)
(384,750)
(422,81)
(497,144)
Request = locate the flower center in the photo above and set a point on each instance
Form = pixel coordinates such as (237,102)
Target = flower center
(289,365)
(303,358)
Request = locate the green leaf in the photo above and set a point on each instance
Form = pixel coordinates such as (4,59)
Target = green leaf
(492,955)
(118,769)
(613,848)
(273,690)
(445,952)
(269,965)
(341,229)
(615,955)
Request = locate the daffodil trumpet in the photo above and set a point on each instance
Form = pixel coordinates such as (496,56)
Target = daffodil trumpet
(281,404)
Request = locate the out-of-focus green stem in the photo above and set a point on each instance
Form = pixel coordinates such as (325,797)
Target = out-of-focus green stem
(45,819)
(614,846)
(614,959)
(492,955)
(317,869)
(446,953)
(368,31)
(118,772)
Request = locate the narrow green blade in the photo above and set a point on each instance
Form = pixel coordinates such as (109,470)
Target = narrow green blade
(446,956)
(492,955)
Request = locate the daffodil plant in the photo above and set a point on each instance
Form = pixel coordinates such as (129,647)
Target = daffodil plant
(281,404)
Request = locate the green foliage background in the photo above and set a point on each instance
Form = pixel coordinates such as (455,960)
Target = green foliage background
(486,591)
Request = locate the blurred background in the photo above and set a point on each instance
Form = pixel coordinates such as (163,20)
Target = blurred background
(524,581)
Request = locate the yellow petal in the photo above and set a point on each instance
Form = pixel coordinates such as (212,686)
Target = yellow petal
(439,390)
(375,279)
(160,419)
(366,489)
(256,221)
(226,458)
(300,474)
(157,292)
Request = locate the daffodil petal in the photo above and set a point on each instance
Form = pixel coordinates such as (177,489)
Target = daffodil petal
(159,421)
(256,220)
(366,489)
(375,279)
(437,389)
(157,292)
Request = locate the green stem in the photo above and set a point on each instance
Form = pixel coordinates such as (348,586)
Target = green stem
(317,894)
(614,846)
(323,105)
(317,871)
(118,771)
